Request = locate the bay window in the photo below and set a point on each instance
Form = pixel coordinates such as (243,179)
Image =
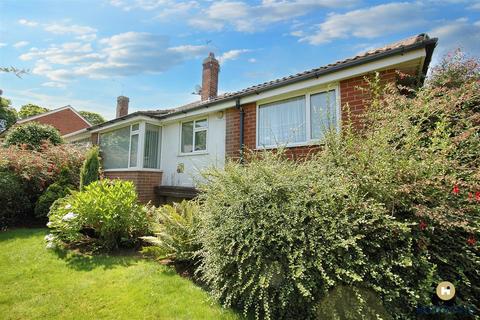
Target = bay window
(132,147)
(296,121)
(194,136)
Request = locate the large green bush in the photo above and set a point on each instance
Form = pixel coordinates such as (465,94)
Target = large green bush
(90,170)
(392,211)
(278,235)
(176,233)
(105,215)
(32,135)
(14,202)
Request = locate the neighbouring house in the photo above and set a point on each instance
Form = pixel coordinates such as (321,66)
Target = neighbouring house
(66,119)
(163,151)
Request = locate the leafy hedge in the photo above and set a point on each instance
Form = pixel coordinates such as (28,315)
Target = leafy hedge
(390,212)
(32,135)
(14,203)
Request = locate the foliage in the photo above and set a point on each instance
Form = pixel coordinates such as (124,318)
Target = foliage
(90,170)
(105,215)
(51,285)
(455,69)
(37,169)
(32,135)
(8,114)
(59,189)
(277,235)
(175,235)
(13,200)
(92,117)
(392,211)
(29,110)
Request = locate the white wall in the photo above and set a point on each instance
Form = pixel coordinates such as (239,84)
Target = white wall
(193,163)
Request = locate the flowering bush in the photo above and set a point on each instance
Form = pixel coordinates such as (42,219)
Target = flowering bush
(105,215)
(56,190)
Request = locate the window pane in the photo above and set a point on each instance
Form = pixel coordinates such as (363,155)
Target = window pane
(201,123)
(152,146)
(282,122)
(323,113)
(114,146)
(133,150)
(187,136)
(135,127)
(201,140)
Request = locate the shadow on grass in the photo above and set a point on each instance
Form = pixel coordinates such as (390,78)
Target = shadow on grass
(85,262)
(21,233)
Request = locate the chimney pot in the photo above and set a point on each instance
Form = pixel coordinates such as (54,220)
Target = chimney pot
(211,68)
(122,106)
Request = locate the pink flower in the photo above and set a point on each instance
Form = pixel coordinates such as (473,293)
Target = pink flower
(471,241)
(455,190)
(423,225)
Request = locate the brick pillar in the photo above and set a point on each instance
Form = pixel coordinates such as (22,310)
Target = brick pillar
(122,106)
(211,68)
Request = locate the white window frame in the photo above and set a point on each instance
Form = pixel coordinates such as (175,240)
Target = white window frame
(141,145)
(309,140)
(193,152)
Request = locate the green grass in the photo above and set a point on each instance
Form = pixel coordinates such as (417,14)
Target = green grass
(36,283)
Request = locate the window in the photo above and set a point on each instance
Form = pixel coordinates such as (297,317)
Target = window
(282,122)
(115,148)
(194,136)
(323,113)
(297,120)
(151,158)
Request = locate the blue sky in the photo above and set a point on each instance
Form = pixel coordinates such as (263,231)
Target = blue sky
(86,53)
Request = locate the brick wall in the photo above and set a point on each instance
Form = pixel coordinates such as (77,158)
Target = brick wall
(66,121)
(144,181)
(353,102)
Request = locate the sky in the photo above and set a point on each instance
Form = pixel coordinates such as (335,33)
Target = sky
(86,53)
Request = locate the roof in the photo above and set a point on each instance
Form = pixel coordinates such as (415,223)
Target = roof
(416,42)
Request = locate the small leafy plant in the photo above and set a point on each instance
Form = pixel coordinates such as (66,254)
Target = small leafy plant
(105,215)
(175,234)
(32,135)
(90,170)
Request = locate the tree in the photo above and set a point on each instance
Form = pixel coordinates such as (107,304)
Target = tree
(8,115)
(29,110)
(92,117)
(90,171)
(32,134)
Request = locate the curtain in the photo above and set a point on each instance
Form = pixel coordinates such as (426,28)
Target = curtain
(151,158)
(114,146)
(323,113)
(133,150)
(282,122)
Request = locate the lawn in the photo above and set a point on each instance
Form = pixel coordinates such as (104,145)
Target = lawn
(37,283)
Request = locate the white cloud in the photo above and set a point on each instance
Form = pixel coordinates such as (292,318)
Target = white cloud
(249,18)
(3,44)
(28,23)
(52,84)
(460,33)
(57,28)
(123,54)
(21,44)
(368,23)
(231,55)
(87,37)
(252,60)
(165,9)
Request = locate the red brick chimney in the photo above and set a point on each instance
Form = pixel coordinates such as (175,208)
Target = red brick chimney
(122,106)
(211,68)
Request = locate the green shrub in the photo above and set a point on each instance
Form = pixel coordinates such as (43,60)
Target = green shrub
(105,215)
(57,190)
(14,202)
(278,235)
(175,235)
(32,135)
(90,171)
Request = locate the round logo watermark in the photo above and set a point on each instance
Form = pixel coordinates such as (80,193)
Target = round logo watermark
(445,290)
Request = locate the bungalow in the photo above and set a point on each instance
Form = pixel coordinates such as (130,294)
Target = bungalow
(163,151)
(66,119)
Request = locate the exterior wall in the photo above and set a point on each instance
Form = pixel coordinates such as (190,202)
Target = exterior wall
(353,101)
(192,163)
(144,181)
(66,121)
